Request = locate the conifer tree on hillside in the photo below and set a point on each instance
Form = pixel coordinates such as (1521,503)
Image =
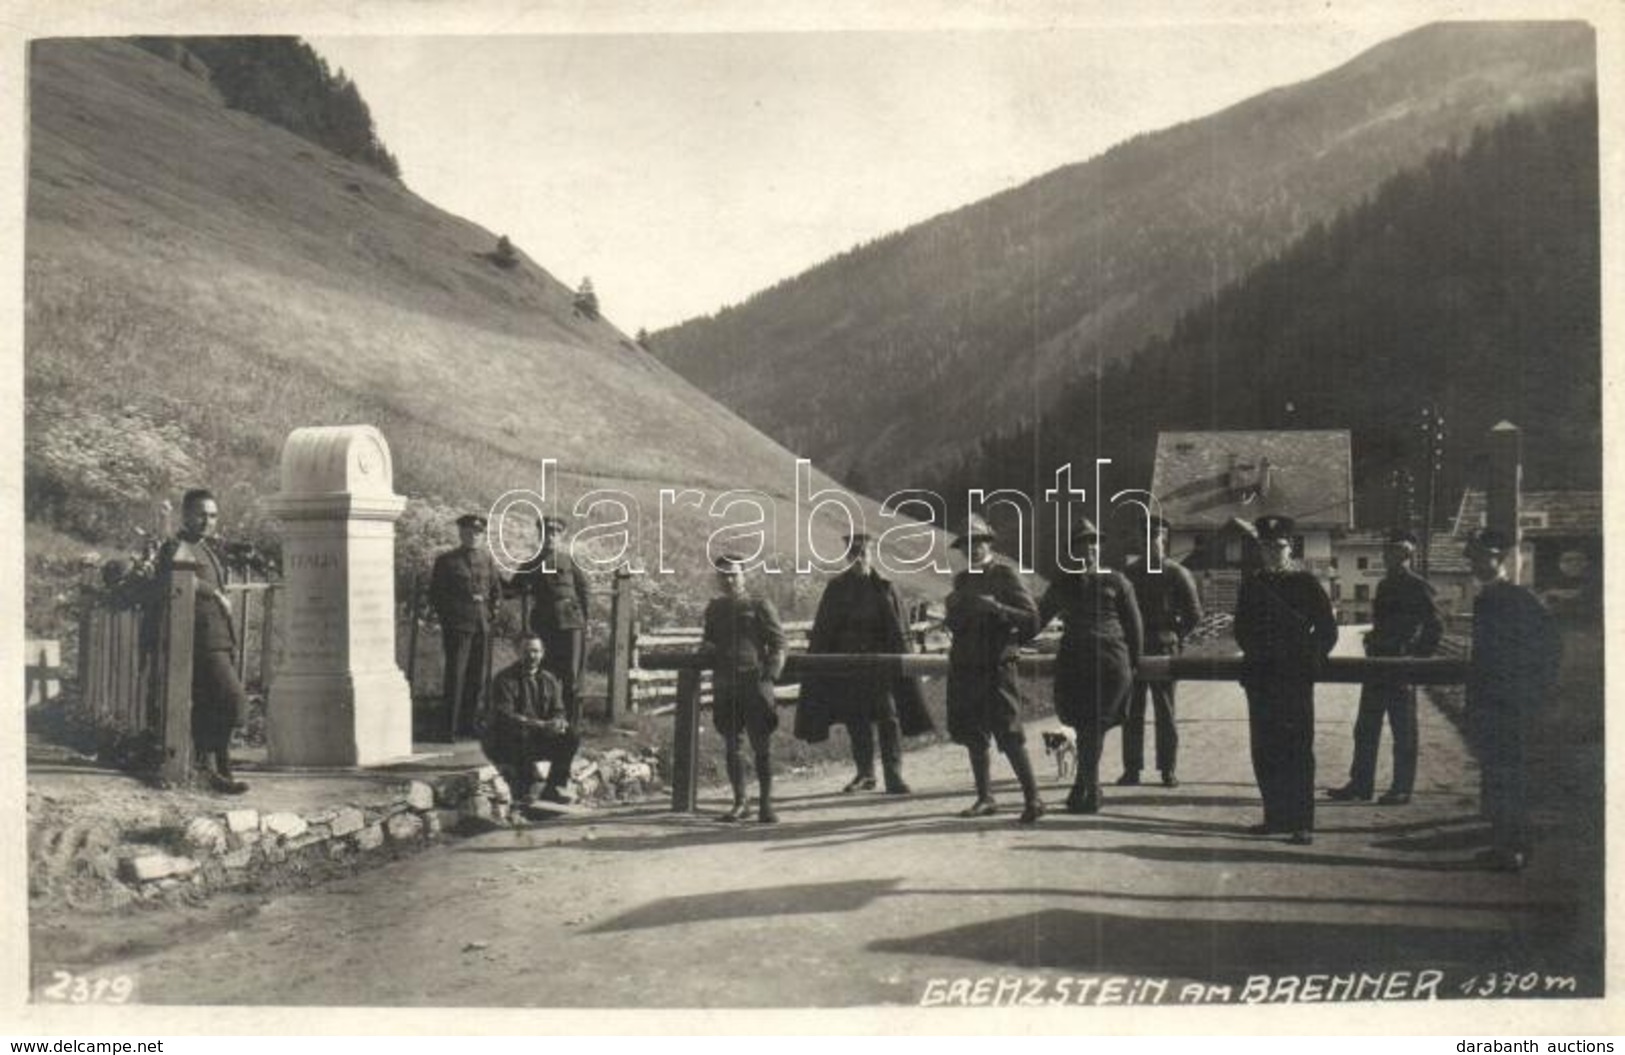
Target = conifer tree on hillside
(586,300)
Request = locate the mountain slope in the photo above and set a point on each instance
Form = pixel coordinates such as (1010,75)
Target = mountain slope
(1471,284)
(1028,289)
(199,282)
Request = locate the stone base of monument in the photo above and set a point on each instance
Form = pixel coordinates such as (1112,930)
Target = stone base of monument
(350,719)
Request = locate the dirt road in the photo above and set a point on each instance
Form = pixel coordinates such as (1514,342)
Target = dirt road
(871,899)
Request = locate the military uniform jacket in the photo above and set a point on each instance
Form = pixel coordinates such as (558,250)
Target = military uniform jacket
(1101,639)
(465,589)
(1404,616)
(1170,605)
(559,592)
(990,614)
(1284,625)
(516,694)
(1516,648)
(744,636)
(212,627)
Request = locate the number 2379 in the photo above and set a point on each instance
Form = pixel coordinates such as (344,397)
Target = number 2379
(69,988)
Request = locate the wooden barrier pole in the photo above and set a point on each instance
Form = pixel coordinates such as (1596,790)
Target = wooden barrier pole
(175,679)
(620,645)
(685,746)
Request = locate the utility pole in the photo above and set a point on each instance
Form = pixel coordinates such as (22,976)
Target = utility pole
(1433,434)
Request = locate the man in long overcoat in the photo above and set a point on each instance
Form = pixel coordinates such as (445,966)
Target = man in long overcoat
(1286,629)
(465,591)
(990,614)
(218,700)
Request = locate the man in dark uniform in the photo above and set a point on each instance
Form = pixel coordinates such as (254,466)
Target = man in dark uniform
(528,724)
(861,611)
(1286,629)
(558,609)
(218,700)
(743,635)
(465,591)
(990,613)
(1404,622)
(1516,652)
(1170,608)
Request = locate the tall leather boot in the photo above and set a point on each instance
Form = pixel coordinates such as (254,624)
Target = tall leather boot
(736,779)
(980,772)
(764,781)
(1032,808)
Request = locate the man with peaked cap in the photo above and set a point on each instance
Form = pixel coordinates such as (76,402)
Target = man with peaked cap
(465,591)
(1170,608)
(990,614)
(218,700)
(1286,629)
(1094,668)
(859,612)
(1405,622)
(558,609)
(744,638)
(1516,651)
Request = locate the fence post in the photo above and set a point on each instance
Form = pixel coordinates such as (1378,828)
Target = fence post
(620,645)
(1502,499)
(685,744)
(175,667)
(267,637)
(412,639)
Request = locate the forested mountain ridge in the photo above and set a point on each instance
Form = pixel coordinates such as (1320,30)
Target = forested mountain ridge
(1470,284)
(888,363)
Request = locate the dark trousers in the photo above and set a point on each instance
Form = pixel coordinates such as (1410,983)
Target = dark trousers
(1162,701)
(1397,702)
(862,735)
(536,745)
(1500,733)
(1281,727)
(463,682)
(218,700)
(566,659)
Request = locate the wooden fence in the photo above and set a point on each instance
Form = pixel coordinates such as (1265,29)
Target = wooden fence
(135,656)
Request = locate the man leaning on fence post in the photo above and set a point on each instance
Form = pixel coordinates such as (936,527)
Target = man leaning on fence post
(218,700)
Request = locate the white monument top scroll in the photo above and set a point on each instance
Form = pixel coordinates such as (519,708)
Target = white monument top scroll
(338,697)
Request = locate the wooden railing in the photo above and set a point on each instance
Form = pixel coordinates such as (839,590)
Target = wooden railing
(690,665)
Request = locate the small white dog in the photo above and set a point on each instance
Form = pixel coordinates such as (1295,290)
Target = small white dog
(1059,744)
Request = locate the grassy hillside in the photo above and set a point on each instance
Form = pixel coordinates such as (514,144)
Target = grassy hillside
(1027,290)
(200,282)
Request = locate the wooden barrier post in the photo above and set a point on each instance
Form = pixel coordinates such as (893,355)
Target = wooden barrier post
(620,645)
(1502,500)
(175,659)
(685,744)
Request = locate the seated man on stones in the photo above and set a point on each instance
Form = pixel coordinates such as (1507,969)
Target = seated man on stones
(529,724)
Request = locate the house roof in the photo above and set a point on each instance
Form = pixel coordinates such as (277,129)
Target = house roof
(1544,514)
(1202,479)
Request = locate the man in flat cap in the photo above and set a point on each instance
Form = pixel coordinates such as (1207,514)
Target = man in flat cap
(1170,608)
(1286,629)
(990,614)
(1404,622)
(861,611)
(558,609)
(743,635)
(1514,668)
(464,591)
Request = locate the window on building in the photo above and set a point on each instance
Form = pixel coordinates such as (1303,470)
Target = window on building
(1337,591)
(1362,592)
(1334,564)
(1362,563)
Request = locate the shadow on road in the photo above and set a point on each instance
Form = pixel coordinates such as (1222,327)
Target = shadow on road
(795,899)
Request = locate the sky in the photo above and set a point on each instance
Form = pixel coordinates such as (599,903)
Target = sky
(684,171)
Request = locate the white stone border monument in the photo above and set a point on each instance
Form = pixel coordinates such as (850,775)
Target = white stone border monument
(338,697)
